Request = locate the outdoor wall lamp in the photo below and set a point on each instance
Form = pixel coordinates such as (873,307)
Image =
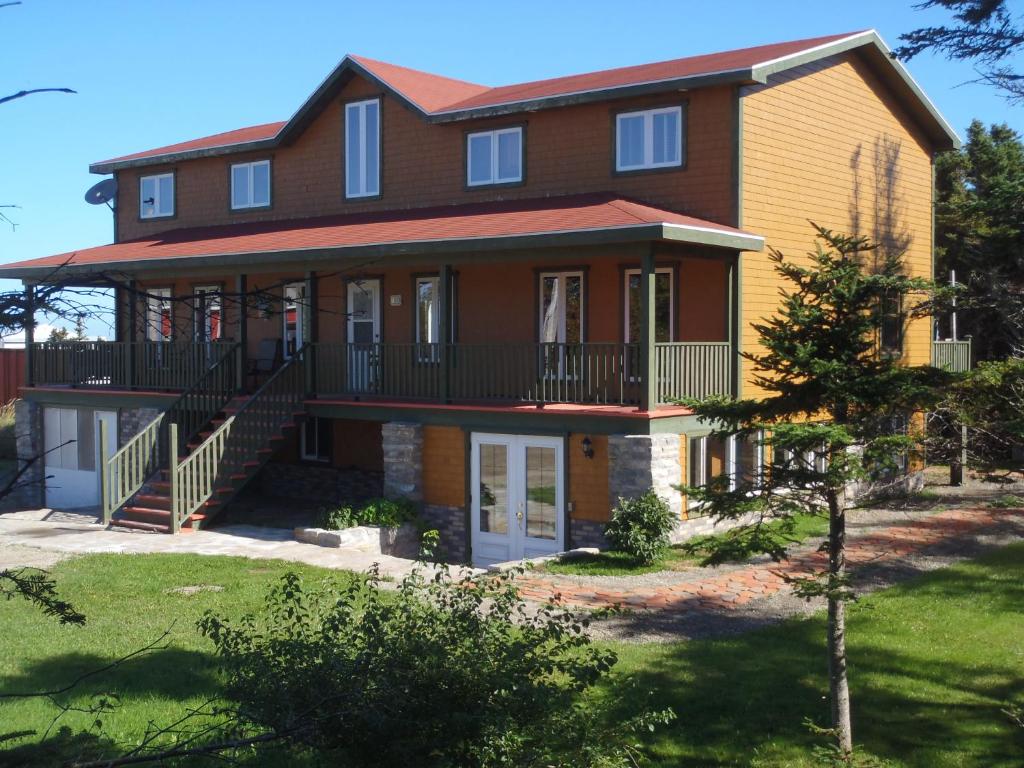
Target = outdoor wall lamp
(588,447)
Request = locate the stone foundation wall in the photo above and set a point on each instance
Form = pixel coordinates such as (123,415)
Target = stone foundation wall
(587,533)
(450,522)
(402,444)
(638,463)
(28,432)
(326,485)
(131,421)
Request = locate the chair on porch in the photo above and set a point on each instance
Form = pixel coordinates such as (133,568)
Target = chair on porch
(268,356)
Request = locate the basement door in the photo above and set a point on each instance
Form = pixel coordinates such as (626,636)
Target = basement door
(518,495)
(363,334)
(71,439)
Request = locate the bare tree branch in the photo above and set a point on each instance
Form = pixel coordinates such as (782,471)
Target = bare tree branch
(29,92)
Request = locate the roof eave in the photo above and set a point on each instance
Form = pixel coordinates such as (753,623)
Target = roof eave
(644,232)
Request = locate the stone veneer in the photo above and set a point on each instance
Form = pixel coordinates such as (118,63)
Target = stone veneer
(638,463)
(28,431)
(586,533)
(402,444)
(130,422)
(329,485)
(450,523)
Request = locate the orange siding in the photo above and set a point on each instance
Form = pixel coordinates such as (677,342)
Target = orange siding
(828,143)
(568,150)
(444,466)
(588,479)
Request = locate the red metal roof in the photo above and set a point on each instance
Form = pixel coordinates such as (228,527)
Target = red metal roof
(544,216)
(435,95)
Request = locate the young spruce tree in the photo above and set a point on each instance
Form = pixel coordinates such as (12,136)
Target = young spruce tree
(831,417)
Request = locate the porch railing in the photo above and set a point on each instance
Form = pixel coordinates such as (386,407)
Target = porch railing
(140,365)
(693,369)
(125,472)
(952,355)
(591,373)
(226,454)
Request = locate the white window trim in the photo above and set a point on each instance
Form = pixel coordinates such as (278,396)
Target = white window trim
(671,302)
(156,196)
(299,300)
(560,332)
(320,458)
(435,310)
(158,297)
(250,169)
(648,117)
(493,178)
(360,108)
(199,320)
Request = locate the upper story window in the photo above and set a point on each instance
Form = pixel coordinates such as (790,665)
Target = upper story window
(652,138)
(250,185)
(156,196)
(362,148)
(494,157)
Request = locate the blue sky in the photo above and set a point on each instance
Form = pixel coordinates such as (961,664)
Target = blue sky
(153,73)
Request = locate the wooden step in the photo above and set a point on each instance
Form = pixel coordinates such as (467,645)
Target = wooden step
(154,500)
(120,522)
(148,514)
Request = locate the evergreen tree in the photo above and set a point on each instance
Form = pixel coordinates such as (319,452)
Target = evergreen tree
(979,232)
(833,418)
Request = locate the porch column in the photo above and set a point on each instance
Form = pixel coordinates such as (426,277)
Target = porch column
(444,311)
(649,382)
(733,324)
(30,330)
(311,318)
(242,297)
(129,338)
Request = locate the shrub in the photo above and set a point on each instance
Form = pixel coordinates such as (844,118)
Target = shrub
(388,513)
(640,527)
(441,673)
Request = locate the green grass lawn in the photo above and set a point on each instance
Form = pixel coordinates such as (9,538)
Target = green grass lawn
(932,663)
(676,558)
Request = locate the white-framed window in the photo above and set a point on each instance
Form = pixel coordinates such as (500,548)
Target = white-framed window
(664,306)
(362,148)
(428,310)
(160,315)
(747,459)
(561,307)
(156,196)
(69,438)
(293,312)
(708,457)
(651,138)
(315,439)
(207,320)
(494,157)
(250,185)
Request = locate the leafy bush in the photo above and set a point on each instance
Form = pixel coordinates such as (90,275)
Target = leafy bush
(388,513)
(640,527)
(441,673)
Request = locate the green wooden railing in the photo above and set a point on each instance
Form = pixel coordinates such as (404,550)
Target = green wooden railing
(228,452)
(136,365)
(952,355)
(125,472)
(128,469)
(598,373)
(693,369)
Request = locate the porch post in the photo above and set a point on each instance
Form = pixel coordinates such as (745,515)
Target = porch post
(649,382)
(242,364)
(312,321)
(30,331)
(129,337)
(733,324)
(444,311)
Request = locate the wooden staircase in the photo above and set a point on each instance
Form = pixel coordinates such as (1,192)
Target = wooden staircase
(220,458)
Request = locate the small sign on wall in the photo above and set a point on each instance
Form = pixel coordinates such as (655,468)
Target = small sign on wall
(395,299)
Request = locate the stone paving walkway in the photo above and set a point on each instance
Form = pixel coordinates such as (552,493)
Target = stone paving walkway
(713,590)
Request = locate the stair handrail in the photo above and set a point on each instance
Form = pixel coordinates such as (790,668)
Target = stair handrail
(194,477)
(177,409)
(128,468)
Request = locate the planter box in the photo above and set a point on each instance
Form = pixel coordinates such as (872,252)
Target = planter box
(403,541)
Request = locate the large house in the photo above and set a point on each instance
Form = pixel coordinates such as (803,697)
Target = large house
(484,299)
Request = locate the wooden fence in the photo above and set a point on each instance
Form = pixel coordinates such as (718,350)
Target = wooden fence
(12,373)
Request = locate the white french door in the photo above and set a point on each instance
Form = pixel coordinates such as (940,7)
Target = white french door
(294,318)
(363,333)
(518,495)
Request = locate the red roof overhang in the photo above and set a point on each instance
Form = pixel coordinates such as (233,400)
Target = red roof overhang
(479,227)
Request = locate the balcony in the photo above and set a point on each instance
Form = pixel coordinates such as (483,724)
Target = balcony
(954,356)
(513,373)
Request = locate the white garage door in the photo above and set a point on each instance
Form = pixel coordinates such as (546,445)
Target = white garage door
(71,441)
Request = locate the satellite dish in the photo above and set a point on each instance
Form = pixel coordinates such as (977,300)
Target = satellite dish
(102,192)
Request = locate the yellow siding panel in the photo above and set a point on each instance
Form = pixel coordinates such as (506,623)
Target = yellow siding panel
(829,143)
